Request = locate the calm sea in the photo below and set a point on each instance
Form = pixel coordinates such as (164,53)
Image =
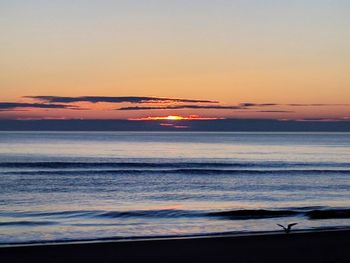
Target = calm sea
(57,186)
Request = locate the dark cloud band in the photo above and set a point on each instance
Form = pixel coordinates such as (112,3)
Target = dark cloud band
(315,105)
(249,104)
(178,107)
(130,99)
(276,111)
(7,106)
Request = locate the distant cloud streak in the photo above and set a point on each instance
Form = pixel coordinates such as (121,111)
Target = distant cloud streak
(241,106)
(249,104)
(276,111)
(315,105)
(177,107)
(130,99)
(10,106)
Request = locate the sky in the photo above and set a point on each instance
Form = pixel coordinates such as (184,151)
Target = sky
(85,59)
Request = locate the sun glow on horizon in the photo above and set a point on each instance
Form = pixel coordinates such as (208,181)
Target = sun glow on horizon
(172,118)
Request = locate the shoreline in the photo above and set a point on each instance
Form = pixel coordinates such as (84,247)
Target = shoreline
(169,237)
(298,246)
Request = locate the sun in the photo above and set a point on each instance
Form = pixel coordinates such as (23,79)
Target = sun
(167,118)
(172,118)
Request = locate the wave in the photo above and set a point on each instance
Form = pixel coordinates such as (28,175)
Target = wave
(240,214)
(262,213)
(118,164)
(255,214)
(329,214)
(27,223)
(162,213)
(167,164)
(185,171)
(166,213)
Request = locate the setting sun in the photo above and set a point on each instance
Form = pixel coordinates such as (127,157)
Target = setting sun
(172,118)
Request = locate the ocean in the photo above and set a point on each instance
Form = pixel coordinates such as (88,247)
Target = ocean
(67,186)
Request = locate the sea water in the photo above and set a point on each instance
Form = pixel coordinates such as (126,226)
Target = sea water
(61,186)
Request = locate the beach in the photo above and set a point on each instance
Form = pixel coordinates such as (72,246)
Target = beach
(308,246)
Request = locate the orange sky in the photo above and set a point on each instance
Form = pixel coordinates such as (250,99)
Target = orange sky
(229,51)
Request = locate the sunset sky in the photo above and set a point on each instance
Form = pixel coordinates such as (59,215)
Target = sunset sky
(212,58)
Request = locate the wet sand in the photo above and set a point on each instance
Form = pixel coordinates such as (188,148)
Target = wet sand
(312,246)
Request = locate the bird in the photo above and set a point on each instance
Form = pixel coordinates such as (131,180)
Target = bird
(288,228)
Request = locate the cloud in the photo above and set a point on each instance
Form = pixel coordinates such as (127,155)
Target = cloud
(151,103)
(12,106)
(130,99)
(177,107)
(218,107)
(275,111)
(241,106)
(315,105)
(249,104)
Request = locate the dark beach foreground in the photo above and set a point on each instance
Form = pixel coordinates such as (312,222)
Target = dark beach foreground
(316,246)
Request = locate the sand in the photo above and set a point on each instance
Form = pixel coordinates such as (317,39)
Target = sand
(312,246)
